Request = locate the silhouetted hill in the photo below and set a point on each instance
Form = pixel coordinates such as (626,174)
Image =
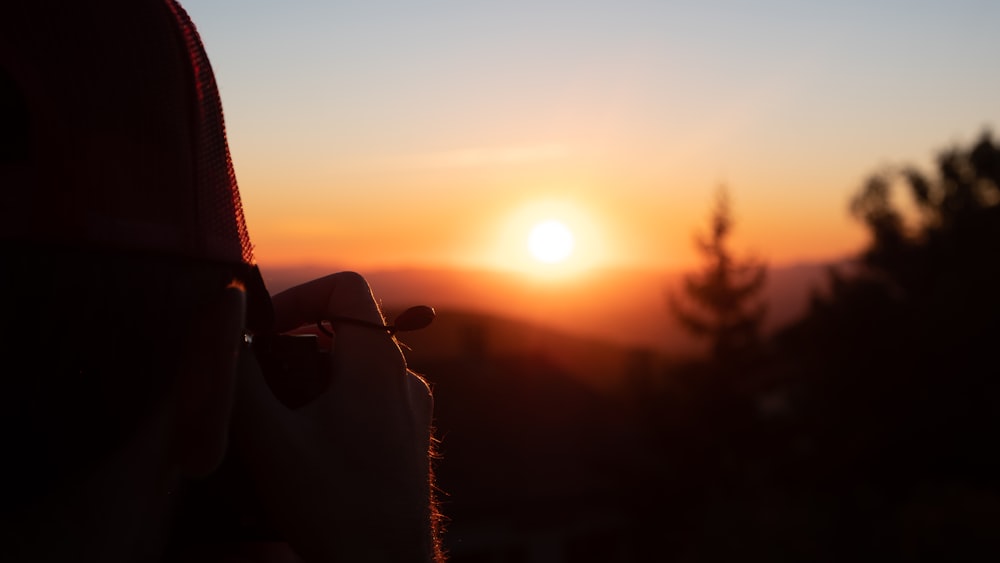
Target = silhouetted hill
(529,453)
(624,307)
(475,337)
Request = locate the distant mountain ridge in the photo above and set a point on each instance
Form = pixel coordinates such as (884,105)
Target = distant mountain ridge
(480,338)
(624,307)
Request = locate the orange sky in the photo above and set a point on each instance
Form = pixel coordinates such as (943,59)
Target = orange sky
(393,135)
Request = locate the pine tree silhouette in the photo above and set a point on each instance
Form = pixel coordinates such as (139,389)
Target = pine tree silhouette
(724,293)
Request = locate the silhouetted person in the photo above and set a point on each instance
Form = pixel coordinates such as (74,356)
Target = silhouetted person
(131,298)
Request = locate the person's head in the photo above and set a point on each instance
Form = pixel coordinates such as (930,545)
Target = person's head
(124,260)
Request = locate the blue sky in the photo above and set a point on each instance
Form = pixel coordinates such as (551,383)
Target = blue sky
(626,107)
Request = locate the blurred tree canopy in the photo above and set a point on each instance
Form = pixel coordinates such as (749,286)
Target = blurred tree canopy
(919,316)
(895,366)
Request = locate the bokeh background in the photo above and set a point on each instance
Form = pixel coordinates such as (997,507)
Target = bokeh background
(775,336)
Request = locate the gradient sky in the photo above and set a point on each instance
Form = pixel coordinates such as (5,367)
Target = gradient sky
(382,134)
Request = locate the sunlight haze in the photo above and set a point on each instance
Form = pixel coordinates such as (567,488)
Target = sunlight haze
(405,134)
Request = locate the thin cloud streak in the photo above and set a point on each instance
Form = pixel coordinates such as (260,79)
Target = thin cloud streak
(491,156)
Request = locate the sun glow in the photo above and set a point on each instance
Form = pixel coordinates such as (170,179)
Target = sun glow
(550,239)
(550,242)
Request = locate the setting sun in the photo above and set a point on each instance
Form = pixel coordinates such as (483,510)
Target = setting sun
(550,242)
(551,239)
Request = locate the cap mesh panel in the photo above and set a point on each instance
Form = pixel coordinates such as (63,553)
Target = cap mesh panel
(220,211)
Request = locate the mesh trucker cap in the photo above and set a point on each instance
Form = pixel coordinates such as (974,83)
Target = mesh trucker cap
(112,136)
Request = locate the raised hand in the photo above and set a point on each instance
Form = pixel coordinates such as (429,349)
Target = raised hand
(345,477)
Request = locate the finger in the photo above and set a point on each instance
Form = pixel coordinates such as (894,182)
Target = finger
(352,299)
(360,348)
(344,294)
(367,360)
